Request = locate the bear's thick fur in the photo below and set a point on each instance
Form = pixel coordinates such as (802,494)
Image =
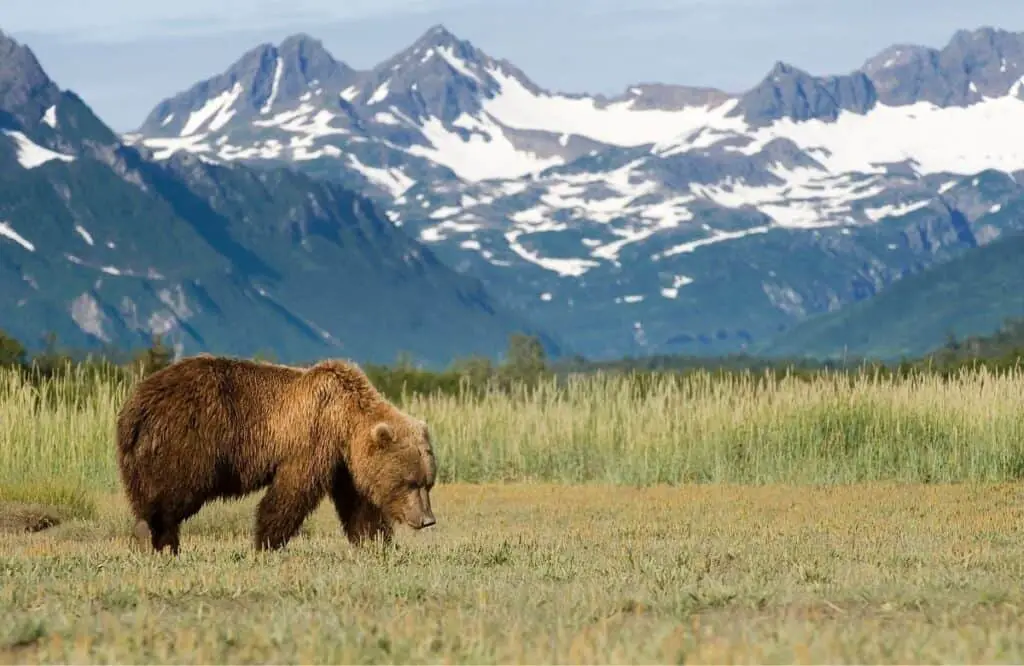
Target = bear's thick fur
(209,428)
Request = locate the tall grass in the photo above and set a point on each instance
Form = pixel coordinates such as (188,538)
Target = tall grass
(738,429)
(610,428)
(56,436)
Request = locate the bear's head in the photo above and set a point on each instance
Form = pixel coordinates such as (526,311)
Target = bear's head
(396,469)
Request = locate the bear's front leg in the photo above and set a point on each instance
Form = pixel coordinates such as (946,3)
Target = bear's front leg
(359,518)
(291,497)
(368,522)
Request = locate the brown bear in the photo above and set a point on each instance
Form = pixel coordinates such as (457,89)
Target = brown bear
(208,428)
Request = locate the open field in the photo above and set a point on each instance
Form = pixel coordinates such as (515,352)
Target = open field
(547,573)
(703,522)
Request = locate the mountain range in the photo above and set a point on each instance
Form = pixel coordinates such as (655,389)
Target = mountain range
(666,219)
(104,246)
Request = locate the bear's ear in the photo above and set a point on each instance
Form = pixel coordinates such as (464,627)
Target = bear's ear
(382,434)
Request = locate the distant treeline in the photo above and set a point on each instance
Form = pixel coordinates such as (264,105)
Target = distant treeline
(524,363)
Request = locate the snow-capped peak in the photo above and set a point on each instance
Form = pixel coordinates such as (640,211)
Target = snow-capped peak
(266,79)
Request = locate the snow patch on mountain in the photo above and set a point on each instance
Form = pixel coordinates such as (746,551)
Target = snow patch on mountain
(456,63)
(350,94)
(876,214)
(7,231)
(31,154)
(393,180)
(565,267)
(806,198)
(678,281)
(84,233)
(487,154)
(278,69)
(717,236)
(618,124)
(380,94)
(215,114)
(985,135)
(626,184)
(50,116)
(164,147)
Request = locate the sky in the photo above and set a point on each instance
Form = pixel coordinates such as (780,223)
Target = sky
(125,56)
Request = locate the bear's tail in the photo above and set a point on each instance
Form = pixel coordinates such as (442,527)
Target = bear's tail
(129,430)
(129,426)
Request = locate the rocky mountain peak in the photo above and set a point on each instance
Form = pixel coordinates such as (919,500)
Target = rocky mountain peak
(974,65)
(985,37)
(436,48)
(439,76)
(40,121)
(897,55)
(437,35)
(26,92)
(299,66)
(784,69)
(790,92)
(307,56)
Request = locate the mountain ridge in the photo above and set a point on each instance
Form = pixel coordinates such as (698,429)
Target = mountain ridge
(976,291)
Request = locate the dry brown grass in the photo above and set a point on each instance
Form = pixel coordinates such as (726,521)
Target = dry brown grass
(546,573)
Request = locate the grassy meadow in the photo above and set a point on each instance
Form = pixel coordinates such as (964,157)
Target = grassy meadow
(695,519)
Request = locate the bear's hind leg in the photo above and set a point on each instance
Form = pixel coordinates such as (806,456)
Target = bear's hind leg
(291,497)
(164,532)
(146,519)
(169,537)
(161,525)
(158,531)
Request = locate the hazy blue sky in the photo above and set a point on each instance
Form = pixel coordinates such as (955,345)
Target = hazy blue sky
(124,56)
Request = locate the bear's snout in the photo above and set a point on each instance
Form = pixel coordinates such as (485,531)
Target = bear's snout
(418,513)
